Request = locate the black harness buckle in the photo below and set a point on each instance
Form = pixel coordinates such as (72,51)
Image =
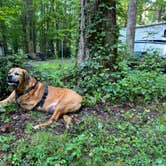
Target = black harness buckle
(42,101)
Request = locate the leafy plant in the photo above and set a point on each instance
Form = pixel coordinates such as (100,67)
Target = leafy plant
(126,139)
(8,62)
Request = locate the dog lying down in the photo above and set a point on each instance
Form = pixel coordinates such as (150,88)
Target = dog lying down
(31,94)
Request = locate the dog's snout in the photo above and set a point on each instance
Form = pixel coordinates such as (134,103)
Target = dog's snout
(9,77)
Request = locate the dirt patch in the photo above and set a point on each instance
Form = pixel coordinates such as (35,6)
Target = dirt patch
(19,119)
(19,124)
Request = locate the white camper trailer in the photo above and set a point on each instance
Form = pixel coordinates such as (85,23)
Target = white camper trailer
(149,38)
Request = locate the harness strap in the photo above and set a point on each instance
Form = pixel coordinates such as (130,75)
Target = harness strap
(26,91)
(42,101)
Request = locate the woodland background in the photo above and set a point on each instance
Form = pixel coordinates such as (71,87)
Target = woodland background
(122,120)
(52,26)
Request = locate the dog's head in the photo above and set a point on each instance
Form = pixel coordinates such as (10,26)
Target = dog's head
(16,77)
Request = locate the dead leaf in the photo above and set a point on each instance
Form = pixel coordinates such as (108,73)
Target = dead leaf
(147,110)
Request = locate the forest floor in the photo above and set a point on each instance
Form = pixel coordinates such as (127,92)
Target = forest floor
(20,122)
(121,122)
(19,118)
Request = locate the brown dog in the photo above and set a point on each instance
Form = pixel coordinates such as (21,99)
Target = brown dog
(31,94)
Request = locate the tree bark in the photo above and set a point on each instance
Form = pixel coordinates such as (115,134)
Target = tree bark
(131,24)
(83,50)
(3,34)
(24,29)
(43,32)
(111,29)
(15,46)
(98,32)
(28,27)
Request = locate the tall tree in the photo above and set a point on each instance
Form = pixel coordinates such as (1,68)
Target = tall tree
(3,33)
(4,38)
(159,6)
(83,50)
(24,28)
(28,27)
(131,24)
(98,31)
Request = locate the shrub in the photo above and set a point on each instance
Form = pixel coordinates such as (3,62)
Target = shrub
(140,85)
(126,84)
(148,62)
(8,62)
(96,142)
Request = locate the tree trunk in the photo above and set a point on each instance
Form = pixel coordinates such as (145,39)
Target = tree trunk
(3,35)
(111,29)
(131,24)
(30,27)
(98,32)
(15,46)
(24,29)
(43,33)
(4,43)
(83,50)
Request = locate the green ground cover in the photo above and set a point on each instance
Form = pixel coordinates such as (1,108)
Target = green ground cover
(101,135)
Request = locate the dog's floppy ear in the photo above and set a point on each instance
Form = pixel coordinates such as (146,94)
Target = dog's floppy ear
(26,76)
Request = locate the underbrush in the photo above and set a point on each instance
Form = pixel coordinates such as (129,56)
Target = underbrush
(7,63)
(142,83)
(130,138)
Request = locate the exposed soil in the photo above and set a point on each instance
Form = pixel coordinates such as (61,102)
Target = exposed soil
(20,118)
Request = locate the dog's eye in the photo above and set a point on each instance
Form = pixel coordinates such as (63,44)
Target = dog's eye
(17,73)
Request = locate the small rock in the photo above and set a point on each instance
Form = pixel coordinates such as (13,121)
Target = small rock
(15,117)
(147,110)
(6,128)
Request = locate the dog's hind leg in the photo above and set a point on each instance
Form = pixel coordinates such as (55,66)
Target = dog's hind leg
(54,117)
(68,120)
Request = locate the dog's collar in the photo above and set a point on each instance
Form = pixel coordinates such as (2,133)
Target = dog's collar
(26,91)
(42,101)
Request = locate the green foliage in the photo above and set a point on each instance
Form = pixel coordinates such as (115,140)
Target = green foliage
(144,83)
(61,20)
(8,62)
(141,84)
(5,142)
(124,140)
(148,62)
(51,72)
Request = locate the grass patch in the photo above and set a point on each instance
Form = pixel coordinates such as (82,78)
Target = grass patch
(51,71)
(105,136)
(52,66)
(124,140)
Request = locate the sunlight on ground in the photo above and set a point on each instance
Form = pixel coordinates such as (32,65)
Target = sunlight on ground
(53,65)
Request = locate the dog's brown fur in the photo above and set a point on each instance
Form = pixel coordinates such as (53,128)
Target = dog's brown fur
(59,101)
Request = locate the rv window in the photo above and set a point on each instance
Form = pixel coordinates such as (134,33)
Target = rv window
(165,33)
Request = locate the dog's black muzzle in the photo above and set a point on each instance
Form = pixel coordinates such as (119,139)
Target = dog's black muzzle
(11,81)
(9,78)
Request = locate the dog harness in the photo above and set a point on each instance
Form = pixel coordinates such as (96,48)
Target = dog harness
(26,91)
(41,101)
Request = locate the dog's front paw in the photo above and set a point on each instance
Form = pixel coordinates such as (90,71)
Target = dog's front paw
(36,127)
(2,110)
